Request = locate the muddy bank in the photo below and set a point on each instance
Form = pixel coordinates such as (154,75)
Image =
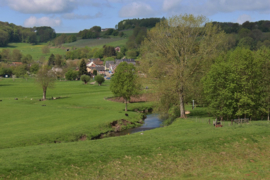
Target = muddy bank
(119,126)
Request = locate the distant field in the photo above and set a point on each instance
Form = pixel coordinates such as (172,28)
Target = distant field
(33,50)
(97,42)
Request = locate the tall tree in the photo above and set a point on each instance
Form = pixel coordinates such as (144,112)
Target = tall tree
(45,78)
(51,61)
(82,68)
(125,83)
(174,50)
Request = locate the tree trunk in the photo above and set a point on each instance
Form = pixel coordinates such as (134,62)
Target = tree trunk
(126,105)
(182,106)
(44,93)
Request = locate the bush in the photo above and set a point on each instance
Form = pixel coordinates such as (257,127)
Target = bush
(95,72)
(85,78)
(71,75)
(34,68)
(99,79)
(5,71)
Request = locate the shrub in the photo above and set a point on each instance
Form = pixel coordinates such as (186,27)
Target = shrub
(85,78)
(71,75)
(99,79)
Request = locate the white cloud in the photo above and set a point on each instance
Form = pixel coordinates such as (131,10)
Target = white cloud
(210,7)
(43,21)
(243,18)
(42,6)
(78,16)
(136,9)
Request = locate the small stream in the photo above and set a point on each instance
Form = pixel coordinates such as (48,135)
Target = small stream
(151,121)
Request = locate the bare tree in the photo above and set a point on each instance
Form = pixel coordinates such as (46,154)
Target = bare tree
(45,78)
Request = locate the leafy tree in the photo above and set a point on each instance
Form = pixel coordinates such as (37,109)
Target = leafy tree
(246,42)
(19,71)
(174,50)
(34,68)
(16,55)
(99,79)
(233,85)
(58,60)
(45,49)
(131,54)
(109,51)
(46,79)
(95,72)
(119,55)
(71,75)
(124,83)
(85,78)
(51,61)
(82,68)
(27,59)
(99,53)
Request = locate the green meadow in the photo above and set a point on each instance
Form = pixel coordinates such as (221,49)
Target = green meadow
(34,50)
(97,43)
(43,142)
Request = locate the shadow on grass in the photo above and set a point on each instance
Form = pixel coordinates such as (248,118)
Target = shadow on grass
(6,84)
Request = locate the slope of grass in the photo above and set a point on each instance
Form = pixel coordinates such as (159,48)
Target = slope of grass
(186,149)
(82,110)
(34,50)
(97,42)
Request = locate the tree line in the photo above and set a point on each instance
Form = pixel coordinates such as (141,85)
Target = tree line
(132,23)
(10,32)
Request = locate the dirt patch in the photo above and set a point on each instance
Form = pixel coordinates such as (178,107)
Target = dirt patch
(142,98)
(83,138)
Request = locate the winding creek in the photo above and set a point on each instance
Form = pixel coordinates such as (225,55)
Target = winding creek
(151,121)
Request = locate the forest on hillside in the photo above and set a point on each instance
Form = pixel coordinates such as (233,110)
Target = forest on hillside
(10,32)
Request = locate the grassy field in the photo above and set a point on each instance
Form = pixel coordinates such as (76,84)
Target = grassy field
(93,43)
(33,50)
(187,149)
(82,110)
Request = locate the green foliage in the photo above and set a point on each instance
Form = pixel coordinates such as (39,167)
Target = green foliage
(85,78)
(58,60)
(109,51)
(71,75)
(124,83)
(234,86)
(90,33)
(82,68)
(99,79)
(130,23)
(5,71)
(95,72)
(119,55)
(247,43)
(45,49)
(131,54)
(16,55)
(99,53)
(109,32)
(34,68)
(27,59)
(45,79)
(19,71)
(134,41)
(51,61)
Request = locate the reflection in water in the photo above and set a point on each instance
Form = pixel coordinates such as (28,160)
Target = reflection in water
(152,121)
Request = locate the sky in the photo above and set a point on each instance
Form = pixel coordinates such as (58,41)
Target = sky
(67,16)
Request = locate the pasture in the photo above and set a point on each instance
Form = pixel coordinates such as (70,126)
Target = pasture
(97,43)
(188,149)
(34,50)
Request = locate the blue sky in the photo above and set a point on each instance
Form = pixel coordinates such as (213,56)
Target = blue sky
(76,15)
